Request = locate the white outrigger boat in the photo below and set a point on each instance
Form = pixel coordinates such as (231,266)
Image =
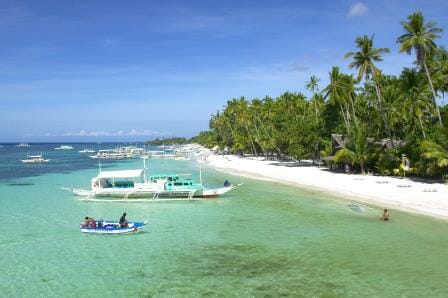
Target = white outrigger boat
(113,227)
(132,185)
(64,147)
(86,150)
(23,145)
(35,159)
(119,153)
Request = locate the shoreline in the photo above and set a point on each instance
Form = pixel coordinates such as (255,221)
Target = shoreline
(423,198)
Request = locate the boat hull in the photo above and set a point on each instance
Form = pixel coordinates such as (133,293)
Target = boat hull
(111,227)
(35,161)
(115,194)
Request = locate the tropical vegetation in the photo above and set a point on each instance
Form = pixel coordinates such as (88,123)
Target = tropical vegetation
(384,117)
(169,141)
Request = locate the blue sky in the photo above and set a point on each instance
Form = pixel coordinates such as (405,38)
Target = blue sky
(135,70)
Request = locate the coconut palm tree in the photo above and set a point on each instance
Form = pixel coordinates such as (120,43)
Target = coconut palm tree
(337,93)
(436,157)
(313,86)
(439,64)
(419,37)
(416,94)
(364,60)
(356,150)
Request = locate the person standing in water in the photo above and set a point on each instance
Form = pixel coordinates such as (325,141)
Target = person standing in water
(386,215)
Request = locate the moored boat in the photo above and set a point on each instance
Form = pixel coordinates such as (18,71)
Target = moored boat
(113,227)
(23,145)
(117,153)
(86,150)
(35,159)
(127,185)
(64,147)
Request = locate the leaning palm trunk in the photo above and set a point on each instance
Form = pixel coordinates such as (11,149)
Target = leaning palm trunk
(345,120)
(269,136)
(347,111)
(421,126)
(254,151)
(433,93)
(353,106)
(259,137)
(383,113)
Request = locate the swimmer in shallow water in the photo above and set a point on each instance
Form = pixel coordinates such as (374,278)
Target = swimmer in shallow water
(386,215)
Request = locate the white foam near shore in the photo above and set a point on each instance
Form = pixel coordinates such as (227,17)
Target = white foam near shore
(386,192)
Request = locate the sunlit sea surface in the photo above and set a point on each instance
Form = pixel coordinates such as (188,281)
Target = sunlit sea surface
(262,239)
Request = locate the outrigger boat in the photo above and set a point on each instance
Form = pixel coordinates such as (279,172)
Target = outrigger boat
(86,150)
(113,227)
(132,185)
(23,145)
(35,159)
(119,153)
(64,147)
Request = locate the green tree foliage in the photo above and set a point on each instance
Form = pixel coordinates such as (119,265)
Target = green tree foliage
(357,149)
(419,37)
(371,110)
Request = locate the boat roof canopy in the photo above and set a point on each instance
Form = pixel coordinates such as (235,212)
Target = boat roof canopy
(164,175)
(120,174)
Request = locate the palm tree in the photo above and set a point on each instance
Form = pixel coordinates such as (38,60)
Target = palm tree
(356,150)
(420,38)
(439,64)
(313,86)
(416,94)
(364,60)
(337,92)
(436,156)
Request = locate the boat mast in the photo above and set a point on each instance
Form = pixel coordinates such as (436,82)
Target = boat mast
(144,168)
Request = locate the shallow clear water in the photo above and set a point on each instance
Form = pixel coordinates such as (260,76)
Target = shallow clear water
(263,239)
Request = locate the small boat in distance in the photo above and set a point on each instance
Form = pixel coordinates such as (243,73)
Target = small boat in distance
(35,159)
(119,153)
(23,145)
(113,227)
(64,147)
(86,150)
(111,154)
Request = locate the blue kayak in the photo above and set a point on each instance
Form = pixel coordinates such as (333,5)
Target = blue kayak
(113,227)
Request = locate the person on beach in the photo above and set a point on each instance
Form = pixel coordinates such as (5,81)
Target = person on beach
(347,169)
(123,221)
(386,215)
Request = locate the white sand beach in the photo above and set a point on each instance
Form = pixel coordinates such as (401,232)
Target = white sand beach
(385,192)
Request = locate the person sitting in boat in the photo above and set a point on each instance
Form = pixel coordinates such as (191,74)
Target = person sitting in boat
(89,222)
(226,183)
(123,221)
(386,215)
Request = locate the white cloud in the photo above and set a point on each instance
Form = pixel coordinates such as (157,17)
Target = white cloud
(357,9)
(299,66)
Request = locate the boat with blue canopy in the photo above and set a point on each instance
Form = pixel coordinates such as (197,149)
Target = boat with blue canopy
(112,227)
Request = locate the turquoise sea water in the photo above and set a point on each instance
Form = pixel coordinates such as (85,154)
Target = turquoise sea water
(262,239)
